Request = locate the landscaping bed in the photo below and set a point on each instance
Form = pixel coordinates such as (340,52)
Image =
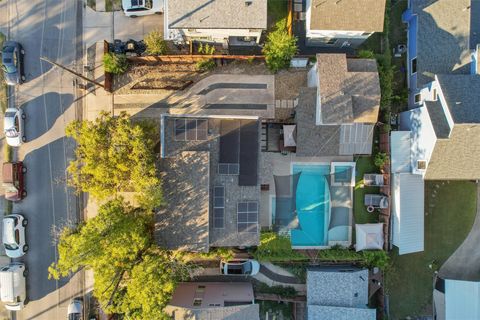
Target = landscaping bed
(450,209)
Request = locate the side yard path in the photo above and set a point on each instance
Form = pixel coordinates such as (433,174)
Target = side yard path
(450,210)
(464,263)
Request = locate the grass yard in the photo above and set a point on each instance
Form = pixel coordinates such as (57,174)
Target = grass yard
(276,11)
(450,209)
(360,214)
(113,5)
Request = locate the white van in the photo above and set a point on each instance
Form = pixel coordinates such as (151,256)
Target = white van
(13,288)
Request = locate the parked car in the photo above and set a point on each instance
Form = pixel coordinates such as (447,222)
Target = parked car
(14,126)
(137,8)
(12,62)
(246,267)
(13,238)
(75,310)
(13,180)
(13,289)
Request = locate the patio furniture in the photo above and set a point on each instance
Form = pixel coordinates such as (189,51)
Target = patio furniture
(373,179)
(375,201)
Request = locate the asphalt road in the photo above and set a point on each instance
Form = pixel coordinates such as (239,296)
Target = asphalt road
(51,29)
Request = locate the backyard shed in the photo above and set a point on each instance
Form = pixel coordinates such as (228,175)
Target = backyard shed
(369,236)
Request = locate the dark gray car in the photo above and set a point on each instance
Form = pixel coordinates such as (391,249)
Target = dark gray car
(12,62)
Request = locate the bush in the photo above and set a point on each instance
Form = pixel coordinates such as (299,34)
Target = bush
(366,54)
(380,159)
(115,63)
(274,247)
(155,43)
(284,292)
(377,258)
(206,65)
(339,254)
(279,48)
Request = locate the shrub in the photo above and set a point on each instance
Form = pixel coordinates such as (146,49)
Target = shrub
(206,65)
(155,43)
(284,292)
(380,159)
(279,48)
(366,54)
(115,63)
(377,258)
(274,247)
(338,254)
(200,48)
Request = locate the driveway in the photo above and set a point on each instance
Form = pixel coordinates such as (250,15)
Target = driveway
(99,26)
(464,263)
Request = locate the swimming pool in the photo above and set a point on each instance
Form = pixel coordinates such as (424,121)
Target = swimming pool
(313,205)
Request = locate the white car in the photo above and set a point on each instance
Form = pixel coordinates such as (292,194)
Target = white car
(75,310)
(14,126)
(137,8)
(13,238)
(241,267)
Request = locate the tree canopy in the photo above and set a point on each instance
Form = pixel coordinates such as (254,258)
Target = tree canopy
(279,48)
(114,155)
(132,275)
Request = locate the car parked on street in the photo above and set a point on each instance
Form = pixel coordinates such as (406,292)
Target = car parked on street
(14,126)
(13,286)
(12,62)
(75,309)
(13,236)
(137,8)
(245,267)
(13,180)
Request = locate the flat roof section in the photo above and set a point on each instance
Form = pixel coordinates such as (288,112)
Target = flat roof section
(248,153)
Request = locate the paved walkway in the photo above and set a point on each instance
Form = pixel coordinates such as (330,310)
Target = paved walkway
(464,263)
(277,277)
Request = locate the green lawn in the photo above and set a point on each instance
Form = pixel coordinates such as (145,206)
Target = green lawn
(276,11)
(450,209)
(360,214)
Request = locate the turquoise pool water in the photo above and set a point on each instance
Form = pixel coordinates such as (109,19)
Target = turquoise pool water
(313,205)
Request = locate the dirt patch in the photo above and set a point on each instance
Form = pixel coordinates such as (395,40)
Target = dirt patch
(289,82)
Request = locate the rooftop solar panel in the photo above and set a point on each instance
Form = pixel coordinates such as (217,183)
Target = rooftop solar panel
(248,153)
(229,141)
(247,216)
(219,207)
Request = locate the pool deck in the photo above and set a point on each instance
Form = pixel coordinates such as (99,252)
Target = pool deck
(277,164)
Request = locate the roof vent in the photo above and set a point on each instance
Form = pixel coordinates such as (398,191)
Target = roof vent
(248,3)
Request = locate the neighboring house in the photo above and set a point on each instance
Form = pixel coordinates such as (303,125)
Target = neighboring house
(438,136)
(344,23)
(213,300)
(456,299)
(223,21)
(336,115)
(338,292)
(441,38)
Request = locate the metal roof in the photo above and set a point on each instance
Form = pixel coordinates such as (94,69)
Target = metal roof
(408,212)
(400,146)
(462,299)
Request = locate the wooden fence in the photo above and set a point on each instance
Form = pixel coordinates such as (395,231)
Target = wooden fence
(186,58)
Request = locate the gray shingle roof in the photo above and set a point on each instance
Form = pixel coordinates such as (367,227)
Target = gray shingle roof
(183,222)
(349,89)
(439,121)
(250,312)
(349,15)
(462,94)
(443,37)
(340,313)
(332,287)
(217,14)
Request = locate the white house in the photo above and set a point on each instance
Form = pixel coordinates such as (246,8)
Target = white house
(222,21)
(344,23)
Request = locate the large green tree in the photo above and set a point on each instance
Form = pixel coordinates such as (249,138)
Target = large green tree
(132,275)
(114,155)
(279,48)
